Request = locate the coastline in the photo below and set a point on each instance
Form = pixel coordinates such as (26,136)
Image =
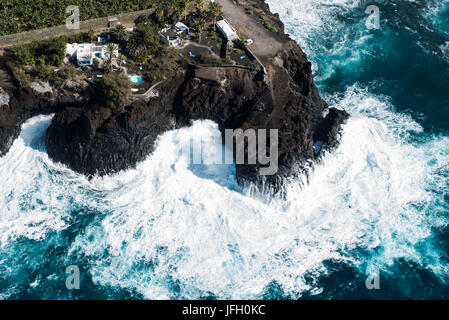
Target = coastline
(283,97)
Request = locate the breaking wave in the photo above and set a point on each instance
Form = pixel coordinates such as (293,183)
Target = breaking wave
(169,230)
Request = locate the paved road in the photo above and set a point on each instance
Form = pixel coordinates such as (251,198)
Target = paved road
(266,45)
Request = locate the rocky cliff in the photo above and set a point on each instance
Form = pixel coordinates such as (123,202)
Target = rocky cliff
(24,103)
(92,139)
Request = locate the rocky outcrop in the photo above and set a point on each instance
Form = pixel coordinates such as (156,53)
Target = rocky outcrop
(93,139)
(26,102)
(99,141)
(287,100)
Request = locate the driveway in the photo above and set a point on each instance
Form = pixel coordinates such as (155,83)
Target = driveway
(266,45)
(191,49)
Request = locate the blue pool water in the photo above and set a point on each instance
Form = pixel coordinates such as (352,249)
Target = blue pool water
(168,230)
(136,79)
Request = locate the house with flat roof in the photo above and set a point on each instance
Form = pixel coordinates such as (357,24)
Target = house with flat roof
(181,28)
(227,30)
(170,37)
(85,53)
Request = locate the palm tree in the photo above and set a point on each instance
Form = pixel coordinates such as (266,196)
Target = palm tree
(110,49)
(120,33)
(182,5)
(216,9)
(144,39)
(200,23)
(199,4)
(159,9)
(133,46)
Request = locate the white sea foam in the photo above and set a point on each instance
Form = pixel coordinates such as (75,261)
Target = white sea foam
(334,34)
(37,194)
(436,7)
(23,216)
(307,20)
(171,228)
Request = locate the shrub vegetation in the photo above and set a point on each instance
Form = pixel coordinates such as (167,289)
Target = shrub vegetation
(19,15)
(116,89)
(39,60)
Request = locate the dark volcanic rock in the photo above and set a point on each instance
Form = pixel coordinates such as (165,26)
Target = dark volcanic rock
(95,140)
(26,103)
(98,141)
(329,127)
(289,101)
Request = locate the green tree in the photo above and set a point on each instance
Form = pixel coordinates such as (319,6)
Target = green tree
(43,71)
(159,9)
(144,41)
(116,89)
(20,56)
(21,76)
(121,59)
(216,10)
(53,50)
(110,49)
(200,24)
(91,35)
(199,4)
(60,78)
(181,7)
(120,34)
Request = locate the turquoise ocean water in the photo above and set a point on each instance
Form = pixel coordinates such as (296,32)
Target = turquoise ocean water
(167,230)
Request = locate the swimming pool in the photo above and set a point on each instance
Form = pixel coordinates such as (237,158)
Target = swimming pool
(136,79)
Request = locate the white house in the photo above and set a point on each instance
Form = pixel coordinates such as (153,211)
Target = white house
(227,30)
(85,53)
(170,36)
(181,28)
(173,36)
